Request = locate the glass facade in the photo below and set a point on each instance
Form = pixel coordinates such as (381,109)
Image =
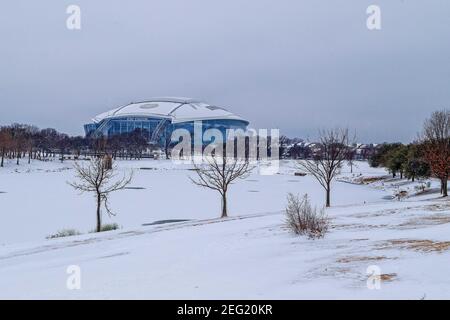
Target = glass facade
(121,125)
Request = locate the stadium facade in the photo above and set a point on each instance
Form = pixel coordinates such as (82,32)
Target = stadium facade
(157,118)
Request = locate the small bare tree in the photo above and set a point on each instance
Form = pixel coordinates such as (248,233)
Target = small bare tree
(351,154)
(99,178)
(218,172)
(327,162)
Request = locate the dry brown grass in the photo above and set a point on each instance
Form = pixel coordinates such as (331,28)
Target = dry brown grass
(438,219)
(387,277)
(438,207)
(358,226)
(431,220)
(418,245)
(371,180)
(350,259)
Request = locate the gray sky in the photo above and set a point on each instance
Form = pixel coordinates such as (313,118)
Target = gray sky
(296,65)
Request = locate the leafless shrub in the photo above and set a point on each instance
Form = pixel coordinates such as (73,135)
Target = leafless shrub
(108,227)
(64,233)
(303,219)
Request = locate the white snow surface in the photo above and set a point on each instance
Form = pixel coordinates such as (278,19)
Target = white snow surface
(250,255)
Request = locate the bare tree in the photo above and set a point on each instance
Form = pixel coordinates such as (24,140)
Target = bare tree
(326,164)
(218,172)
(96,177)
(351,154)
(5,143)
(436,142)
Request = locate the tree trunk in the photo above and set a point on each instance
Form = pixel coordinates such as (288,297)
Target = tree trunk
(328,191)
(99,217)
(167,153)
(224,206)
(3,156)
(444,188)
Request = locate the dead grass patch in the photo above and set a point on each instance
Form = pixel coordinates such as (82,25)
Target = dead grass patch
(371,179)
(387,277)
(358,226)
(350,259)
(438,219)
(431,220)
(379,213)
(437,207)
(418,245)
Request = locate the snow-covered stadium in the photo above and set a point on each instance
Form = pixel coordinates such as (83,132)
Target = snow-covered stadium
(157,118)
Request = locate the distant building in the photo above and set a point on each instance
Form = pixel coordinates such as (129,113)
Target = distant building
(157,118)
(309,150)
(365,151)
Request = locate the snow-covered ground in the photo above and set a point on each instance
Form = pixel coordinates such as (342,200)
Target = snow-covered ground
(38,201)
(249,255)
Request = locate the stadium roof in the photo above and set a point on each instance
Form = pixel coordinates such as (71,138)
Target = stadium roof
(177,109)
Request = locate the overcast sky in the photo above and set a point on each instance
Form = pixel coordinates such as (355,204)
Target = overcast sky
(296,65)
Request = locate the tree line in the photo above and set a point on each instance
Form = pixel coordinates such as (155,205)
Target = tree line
(23,141)
(405,161)
(429,156)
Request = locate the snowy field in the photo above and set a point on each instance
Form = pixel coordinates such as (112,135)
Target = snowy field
(37,200)
(250,255)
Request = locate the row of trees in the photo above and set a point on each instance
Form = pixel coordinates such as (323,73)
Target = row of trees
(99,177)
(404,160)
(295,148)
(429,156)
(19,141)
